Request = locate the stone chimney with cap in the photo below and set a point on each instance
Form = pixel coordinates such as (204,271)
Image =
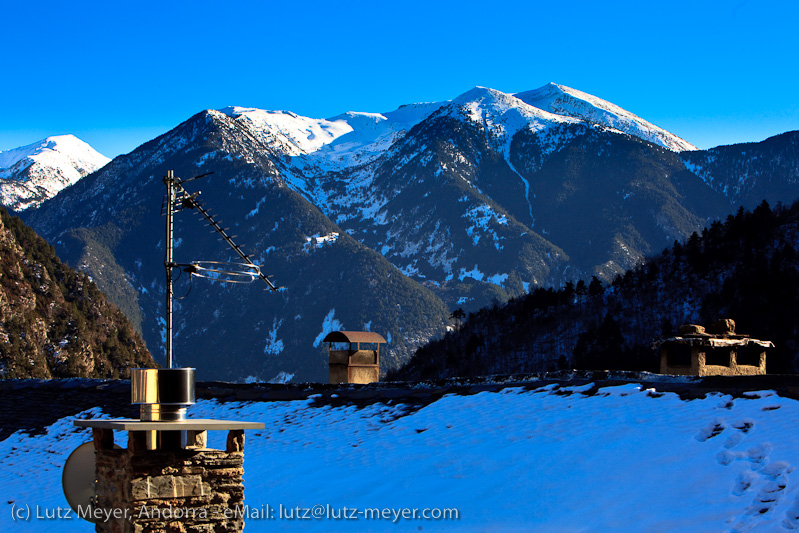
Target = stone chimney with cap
(167,479)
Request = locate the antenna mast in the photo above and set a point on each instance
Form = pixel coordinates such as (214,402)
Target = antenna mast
(169,181)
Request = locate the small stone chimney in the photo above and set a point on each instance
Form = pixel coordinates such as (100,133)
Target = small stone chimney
(713,351)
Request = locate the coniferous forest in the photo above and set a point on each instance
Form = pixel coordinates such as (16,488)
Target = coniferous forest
(745,268)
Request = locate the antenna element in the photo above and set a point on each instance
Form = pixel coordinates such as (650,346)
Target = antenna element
(178,198)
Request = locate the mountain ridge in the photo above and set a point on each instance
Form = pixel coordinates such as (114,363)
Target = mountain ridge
(744,268)
(343,141)
(566,101)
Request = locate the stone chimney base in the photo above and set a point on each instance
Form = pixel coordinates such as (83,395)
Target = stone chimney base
(168,491)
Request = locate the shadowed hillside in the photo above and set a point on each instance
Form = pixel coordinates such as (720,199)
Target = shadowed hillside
(54,322)
(745,268)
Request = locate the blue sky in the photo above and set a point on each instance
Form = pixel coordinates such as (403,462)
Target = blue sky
(117,74)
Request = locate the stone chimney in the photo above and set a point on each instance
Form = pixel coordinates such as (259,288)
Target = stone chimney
(167,479)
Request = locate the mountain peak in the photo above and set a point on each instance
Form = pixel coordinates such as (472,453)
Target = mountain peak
(293,133)
(65,144)
(503,102)
(31,174)
(477,92)
(569,102)
(505,114)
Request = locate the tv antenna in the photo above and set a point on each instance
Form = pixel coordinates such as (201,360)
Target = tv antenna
(177,199)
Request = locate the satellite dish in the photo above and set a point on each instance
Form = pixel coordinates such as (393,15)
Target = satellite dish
(79,477)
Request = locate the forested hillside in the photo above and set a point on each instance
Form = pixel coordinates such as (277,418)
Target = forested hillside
(745,268)
(54,321)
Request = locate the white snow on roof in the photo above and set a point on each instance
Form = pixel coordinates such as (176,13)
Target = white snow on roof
(623,459)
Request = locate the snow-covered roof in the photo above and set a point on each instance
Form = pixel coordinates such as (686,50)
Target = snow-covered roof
(718,341)
(568,457)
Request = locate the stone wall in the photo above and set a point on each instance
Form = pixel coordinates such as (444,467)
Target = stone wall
(358,367)
(364,374)
(169,491)
(733,368)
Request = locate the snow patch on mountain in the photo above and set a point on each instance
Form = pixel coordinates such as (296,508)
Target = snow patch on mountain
(274,345)
(318,241)
(474,273)
(569,102)
(31,174)
(329,324)
(439,252)
(497,279)
(410,270)
(372,135)
(480,218)
(699,170)
(477,275)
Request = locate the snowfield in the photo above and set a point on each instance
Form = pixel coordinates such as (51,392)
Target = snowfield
(52,164)
(569,102)
(620,458)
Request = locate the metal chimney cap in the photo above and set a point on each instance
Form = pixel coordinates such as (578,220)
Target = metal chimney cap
(162,386)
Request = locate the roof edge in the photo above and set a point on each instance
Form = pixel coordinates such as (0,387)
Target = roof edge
(354,336)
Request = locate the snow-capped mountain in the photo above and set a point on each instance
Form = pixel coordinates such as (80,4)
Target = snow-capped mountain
(569,102)
(351,138)
(108,225)
(504,115)
(31,174)
(470,198)
(461,203)
(346,140)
